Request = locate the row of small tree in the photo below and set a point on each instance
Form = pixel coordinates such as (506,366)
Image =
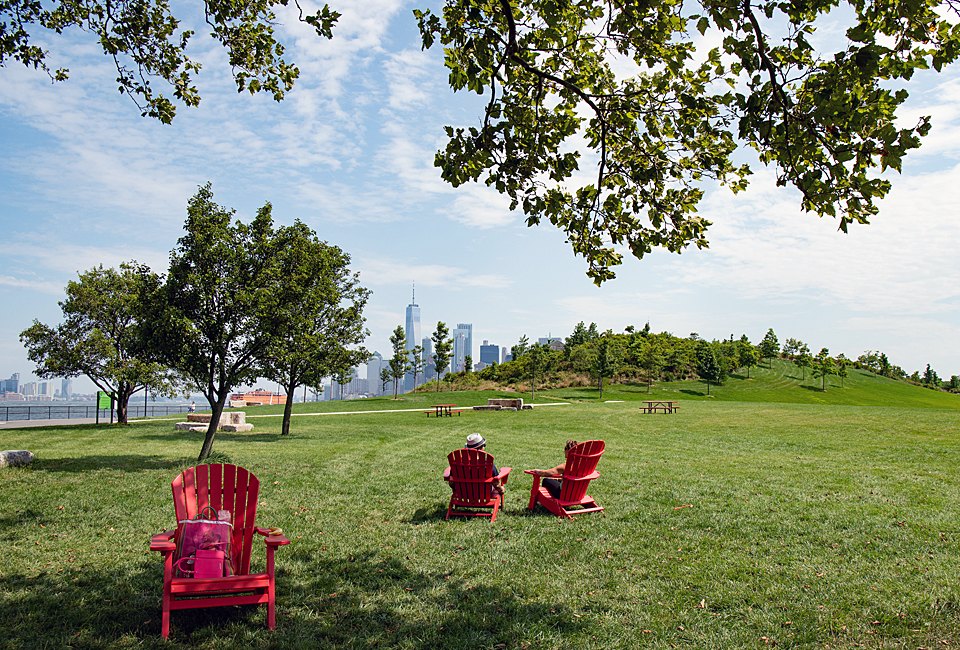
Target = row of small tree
(641,355)
(239,302)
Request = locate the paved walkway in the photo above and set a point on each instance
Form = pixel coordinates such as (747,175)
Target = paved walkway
(23,424)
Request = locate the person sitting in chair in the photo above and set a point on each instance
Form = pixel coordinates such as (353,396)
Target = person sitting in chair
(553,484)
(476,441)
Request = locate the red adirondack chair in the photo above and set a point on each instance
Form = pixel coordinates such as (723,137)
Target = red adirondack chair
(581,468)
(221,487)
(471,477)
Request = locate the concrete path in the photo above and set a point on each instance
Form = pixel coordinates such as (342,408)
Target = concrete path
(23,424)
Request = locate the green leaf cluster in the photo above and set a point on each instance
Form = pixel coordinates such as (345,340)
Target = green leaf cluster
(623,82)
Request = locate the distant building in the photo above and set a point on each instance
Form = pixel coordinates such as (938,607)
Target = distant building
(66,388)
(373,373)
(412,331)
(429,367)
(259,397)
(550,341)
(489,353)
(462,345)
(505,354)
(11,385)
(29,389)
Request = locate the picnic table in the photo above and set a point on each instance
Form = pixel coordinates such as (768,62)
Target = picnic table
(660,406)
(440,410)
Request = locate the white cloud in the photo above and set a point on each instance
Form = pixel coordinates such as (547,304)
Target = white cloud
(374,272)
(42,286)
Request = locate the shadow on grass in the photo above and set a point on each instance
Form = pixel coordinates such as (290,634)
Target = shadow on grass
(251,436)
(373,600)
(124,462)
(689,391)
(815,389)
(428,515)
(366,600)
(80,608)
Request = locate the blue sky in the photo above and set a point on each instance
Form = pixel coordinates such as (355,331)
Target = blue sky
(86,180)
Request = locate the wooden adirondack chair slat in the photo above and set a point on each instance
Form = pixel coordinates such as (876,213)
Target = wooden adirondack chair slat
(578,472)
(472,482)
(221,487)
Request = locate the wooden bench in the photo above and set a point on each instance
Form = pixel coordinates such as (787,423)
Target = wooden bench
(660,406)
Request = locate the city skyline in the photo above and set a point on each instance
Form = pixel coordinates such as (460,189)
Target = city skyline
(350,152)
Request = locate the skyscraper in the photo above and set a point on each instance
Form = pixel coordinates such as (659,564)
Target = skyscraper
(462,345)
(489,353)
(412,331)
(373,373)
(66,388)
(429,367)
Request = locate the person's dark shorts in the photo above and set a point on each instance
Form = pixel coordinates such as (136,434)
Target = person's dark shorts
(553,486)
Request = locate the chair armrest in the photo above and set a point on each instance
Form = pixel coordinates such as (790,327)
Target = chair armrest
(530,472)
(504,474)
(163,542)
(588,477)
(272,540)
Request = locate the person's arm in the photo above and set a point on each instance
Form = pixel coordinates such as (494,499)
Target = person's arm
(553,471)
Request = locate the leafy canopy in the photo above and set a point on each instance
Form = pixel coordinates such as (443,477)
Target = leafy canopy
(148,45)
(603,118)
(101,336)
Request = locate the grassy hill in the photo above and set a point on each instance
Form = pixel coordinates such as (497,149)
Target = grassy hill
(781,382)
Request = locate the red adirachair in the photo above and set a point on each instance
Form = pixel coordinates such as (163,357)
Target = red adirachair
(221,487)
(471,477)
(577,473)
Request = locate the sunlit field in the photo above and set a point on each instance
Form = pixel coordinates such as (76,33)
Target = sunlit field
(729,524)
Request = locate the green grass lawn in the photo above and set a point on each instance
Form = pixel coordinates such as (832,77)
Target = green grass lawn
(728,525)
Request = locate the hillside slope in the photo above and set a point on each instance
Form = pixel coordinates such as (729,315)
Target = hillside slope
(781,382)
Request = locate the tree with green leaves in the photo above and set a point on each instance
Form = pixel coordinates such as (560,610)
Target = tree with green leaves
(521,348)
(399,363)
(321,302)
(468,364)
(661,119)
(384,379)
(442,349)
(823,367)
(148,44)
(802,358)
(747,354)
(536,361)
(343,375)
(101,336)
(708,364)
(930,378)
(842,364)
(607,361)
(652,357)
(769,346)
(217,311)
(416,363)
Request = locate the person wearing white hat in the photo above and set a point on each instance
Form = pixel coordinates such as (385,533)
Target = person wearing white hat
(476,441)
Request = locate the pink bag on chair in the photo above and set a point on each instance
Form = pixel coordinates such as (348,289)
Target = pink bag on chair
(203,549)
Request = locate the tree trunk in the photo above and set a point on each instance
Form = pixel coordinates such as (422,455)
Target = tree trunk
(708,387)
(216,410)
(287,412)
(600,386)
(123,400)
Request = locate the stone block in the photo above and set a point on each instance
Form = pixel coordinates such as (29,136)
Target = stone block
(199,417)
(191,426)
(15,458)
(237,427)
